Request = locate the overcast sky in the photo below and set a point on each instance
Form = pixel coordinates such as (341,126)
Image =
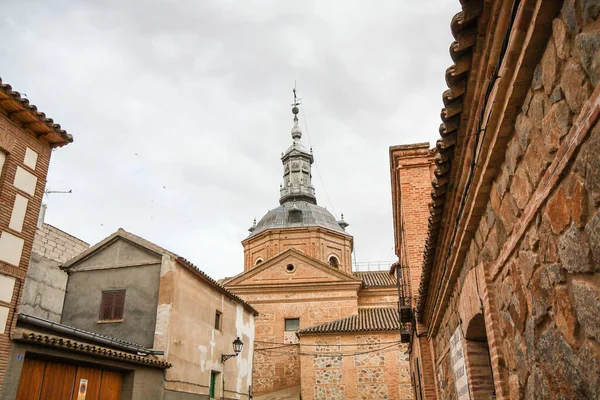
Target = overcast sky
(180,110)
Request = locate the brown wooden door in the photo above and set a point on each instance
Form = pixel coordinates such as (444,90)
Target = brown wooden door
(58,381)
(110,388)
(32,376)
(48,380)
(94,379)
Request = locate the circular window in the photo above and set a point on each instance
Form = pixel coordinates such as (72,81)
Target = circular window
(333,261)
(290,268)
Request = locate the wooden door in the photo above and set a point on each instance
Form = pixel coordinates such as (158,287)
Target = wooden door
(48,380)
(94,379)
(32,376)
(58,381)
(110,388)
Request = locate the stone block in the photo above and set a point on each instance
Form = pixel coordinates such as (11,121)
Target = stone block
(556,124)
(526,263)
(590,9)
(561,38)
(565,318)
(521,189)
(574,251)
(587,49)
(575,86)
(593,233)
(514,153)
(586,299)
(536,82)
(557,212)
(570,17)
(578,204)
(523,127)
(549,65)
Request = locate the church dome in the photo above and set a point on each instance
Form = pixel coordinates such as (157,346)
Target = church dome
(295,215)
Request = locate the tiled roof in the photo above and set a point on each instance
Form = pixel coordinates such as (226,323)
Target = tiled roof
(368,319)
(376,279)
(464,30)
(79,346)
(20,110)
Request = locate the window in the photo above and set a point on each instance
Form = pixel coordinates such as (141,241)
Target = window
(258,261)
(112,305)
(213,383)
(333,261)
(290,268)
(218,320)
(292,324)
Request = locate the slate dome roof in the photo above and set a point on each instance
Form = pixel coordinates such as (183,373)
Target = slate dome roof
(310,215)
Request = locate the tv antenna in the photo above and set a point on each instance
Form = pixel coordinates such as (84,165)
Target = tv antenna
(49,191)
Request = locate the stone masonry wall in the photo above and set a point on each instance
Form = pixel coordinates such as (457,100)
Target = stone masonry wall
(355,366)
(278,367)
(540,288)
(44,289)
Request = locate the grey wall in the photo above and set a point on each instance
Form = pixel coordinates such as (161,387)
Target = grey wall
(84,293)
(44,289)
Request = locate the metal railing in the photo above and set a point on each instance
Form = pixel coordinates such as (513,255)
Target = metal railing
(368,266)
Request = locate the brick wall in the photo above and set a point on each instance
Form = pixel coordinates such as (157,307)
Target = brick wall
(411,189)
(56,245)
(533,261)
(22,184)
(366,365)
(44,288)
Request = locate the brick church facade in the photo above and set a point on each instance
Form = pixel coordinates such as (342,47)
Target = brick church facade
(507,298)
(323,331)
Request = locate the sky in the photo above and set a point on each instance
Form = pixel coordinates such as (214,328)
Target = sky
(180,110)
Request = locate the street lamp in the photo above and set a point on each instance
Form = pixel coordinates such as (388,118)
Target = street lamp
(237,348)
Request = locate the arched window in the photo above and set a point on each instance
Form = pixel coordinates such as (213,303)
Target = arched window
(334,262)
(258,261)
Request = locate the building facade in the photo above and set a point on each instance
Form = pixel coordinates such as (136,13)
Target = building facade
(298,275)
(132,291)
(508,303)
(27,138)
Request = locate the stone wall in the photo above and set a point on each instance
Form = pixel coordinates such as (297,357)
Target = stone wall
(355,366)
(44,288)
(532,274)
(279,368)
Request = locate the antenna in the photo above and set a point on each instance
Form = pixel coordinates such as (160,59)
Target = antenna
(48,191)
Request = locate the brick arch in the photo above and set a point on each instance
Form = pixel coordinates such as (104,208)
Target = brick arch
(477,359)
(469,301)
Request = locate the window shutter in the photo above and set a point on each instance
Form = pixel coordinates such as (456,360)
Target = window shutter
(119,304)
(112,305)
(106,306)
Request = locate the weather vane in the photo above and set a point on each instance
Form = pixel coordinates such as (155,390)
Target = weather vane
(297,100)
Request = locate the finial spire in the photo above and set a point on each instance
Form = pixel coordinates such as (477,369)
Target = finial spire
(296,132)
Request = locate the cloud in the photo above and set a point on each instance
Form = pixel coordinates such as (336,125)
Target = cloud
(194,96)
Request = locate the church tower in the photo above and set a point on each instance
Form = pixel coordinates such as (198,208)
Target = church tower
(298,275)
(298,222)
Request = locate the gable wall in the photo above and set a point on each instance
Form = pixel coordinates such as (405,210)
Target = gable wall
(85,285)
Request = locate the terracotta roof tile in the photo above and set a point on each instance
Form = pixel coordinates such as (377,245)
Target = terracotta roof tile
(367,319)
(79,346)
(464,30)
(21,111)
(376,279)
